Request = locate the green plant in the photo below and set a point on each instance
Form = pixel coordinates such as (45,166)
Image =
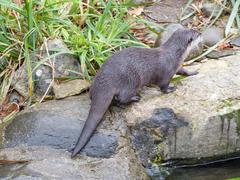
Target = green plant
(92,32)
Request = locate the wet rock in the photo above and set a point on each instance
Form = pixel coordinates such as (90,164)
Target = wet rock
(101,145)
(44,127)
(212,35)
(235,42)
(211,9)
(44,133)
(222,53)
(152,131)
(221,170)
(70,88)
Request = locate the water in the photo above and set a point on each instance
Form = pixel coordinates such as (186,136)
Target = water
(216,171)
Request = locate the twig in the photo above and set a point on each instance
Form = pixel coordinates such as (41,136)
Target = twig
(218,15)
(53,70)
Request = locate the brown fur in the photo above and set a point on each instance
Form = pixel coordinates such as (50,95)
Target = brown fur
(130,69)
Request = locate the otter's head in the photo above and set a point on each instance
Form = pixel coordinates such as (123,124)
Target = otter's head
(187,40)
(187,37)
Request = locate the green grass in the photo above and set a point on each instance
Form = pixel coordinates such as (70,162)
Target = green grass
(91,31)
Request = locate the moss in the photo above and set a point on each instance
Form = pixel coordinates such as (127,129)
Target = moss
(230,113)
(158,158)
(238,121)
(233,115)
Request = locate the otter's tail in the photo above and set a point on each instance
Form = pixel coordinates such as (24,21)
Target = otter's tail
(99,106)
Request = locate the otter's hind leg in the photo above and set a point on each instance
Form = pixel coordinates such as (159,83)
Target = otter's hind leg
(185,72)
(127,96)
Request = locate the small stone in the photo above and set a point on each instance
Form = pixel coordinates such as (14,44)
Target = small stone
(211,9)
(212,35)
(63,64)
(20,81)
(219,54)
(163,37)
(140,2)
(70,88)
(15,97)
(165,11)
(236,41)
(39,72)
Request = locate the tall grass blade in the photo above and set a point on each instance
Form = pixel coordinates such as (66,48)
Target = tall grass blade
(219,14)
(237,16)
(13,6)
(232,16)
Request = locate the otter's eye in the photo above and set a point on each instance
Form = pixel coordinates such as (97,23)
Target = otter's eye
(190,40)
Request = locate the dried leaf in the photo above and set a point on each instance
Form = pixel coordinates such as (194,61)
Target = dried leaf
(3,161)
(7,109)
(224,45)
(136,11)
(18,2)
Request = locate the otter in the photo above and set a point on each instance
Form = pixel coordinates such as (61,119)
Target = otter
(128,70)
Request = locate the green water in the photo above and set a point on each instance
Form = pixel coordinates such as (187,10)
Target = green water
(218,171)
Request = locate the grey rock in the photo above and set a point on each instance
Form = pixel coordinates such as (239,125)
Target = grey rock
(163,37)
(43,135)
(207,102)
(211,9)
(44,127)
(43,77)
(165,11)
(222,53)
(101,145)
(70,88)
(64,65)
(164,122)
(47,163)
(212,35)
(14,97)
(143,2)
(20,82)
(236,41)
(199,120)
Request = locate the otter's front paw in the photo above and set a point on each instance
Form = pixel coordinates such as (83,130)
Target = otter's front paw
(192,73)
